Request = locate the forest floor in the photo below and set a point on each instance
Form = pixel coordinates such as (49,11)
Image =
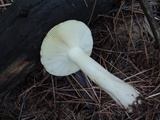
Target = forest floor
(123,44)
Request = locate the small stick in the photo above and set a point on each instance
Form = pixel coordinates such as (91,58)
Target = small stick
(147,11)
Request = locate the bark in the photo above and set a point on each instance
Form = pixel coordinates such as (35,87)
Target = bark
(24,25)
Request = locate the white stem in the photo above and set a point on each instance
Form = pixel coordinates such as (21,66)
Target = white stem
(124,94)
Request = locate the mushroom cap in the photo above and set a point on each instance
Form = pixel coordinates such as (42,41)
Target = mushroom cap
(57,43)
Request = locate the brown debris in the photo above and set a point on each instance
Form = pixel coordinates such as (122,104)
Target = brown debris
(123,45)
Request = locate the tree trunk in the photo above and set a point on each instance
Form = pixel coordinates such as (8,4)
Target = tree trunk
(24,25)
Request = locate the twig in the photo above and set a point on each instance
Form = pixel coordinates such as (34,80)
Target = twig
(92,12)
(147,11)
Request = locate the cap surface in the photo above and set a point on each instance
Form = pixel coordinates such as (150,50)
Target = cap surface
(59,40)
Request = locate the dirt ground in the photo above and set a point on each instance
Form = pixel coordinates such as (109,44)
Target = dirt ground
(125,46)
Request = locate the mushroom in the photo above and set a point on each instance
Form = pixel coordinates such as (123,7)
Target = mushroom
(67,48)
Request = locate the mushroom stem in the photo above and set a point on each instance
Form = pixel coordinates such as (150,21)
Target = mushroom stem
(124,94)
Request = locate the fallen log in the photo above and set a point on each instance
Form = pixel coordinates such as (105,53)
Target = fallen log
(24,25)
